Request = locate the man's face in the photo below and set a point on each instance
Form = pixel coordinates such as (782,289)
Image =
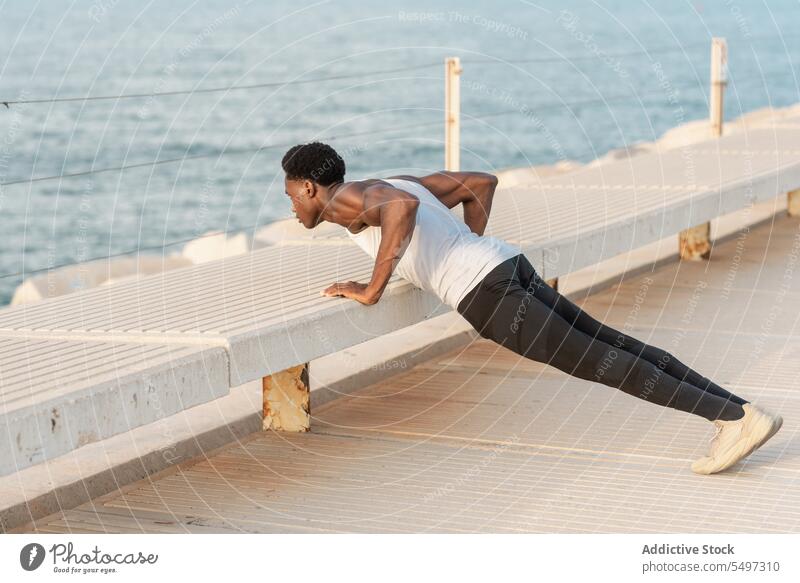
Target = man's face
(301,194)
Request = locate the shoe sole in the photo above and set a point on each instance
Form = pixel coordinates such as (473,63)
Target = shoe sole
(777,424)
(743,447)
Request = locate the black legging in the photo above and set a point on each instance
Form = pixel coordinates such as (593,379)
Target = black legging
(515,307)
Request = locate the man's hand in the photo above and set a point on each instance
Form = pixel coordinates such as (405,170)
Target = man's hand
(353,290)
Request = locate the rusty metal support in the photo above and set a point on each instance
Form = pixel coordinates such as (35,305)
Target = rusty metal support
(793,203)
(695,243)
(286,398)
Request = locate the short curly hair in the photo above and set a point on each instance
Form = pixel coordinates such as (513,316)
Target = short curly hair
(314,161)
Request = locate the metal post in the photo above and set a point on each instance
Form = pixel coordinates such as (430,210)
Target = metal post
(694,243)
(452,113)
(719,64)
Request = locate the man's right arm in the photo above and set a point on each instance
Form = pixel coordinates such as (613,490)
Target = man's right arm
(395,212)
(474,190)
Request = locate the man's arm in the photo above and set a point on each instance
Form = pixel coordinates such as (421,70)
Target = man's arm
(474,190)
(395,211)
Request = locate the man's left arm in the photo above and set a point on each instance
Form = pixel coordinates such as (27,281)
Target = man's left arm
(473,190)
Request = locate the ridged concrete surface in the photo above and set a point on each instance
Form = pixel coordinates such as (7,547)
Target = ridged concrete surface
(481,440)
(264,309)
(58,395)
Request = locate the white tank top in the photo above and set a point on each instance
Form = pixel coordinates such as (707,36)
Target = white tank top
(443,256)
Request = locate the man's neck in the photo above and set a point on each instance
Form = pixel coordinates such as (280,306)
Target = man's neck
(328,206)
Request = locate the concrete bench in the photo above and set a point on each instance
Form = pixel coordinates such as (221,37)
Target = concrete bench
(57,395)
(265,311)
(578,219)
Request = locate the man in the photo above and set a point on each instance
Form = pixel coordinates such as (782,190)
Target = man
(404,222)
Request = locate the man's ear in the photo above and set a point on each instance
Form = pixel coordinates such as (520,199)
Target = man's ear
(310,188)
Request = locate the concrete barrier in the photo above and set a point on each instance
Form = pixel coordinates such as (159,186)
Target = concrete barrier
(265,311)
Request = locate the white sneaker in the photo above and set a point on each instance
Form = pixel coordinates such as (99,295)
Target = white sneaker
(737,439)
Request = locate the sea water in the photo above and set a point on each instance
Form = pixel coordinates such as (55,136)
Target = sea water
(531,61)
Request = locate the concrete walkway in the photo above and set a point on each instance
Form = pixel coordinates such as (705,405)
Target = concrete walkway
(481,440)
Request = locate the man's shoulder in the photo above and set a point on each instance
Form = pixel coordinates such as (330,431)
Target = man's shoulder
(379,184)
(405,177)
(366,183)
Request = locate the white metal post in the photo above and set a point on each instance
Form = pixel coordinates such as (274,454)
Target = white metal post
(694,243)
(719,64)
(452,113)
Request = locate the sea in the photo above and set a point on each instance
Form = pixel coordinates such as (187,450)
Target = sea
(192,104)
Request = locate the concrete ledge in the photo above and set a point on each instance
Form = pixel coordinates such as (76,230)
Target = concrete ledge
(57,396)
(105,466)
(584,282)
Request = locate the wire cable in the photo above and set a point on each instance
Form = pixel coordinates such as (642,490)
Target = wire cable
(498,61)
(599,55)
(231,151)
(9,102)
(235,152)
